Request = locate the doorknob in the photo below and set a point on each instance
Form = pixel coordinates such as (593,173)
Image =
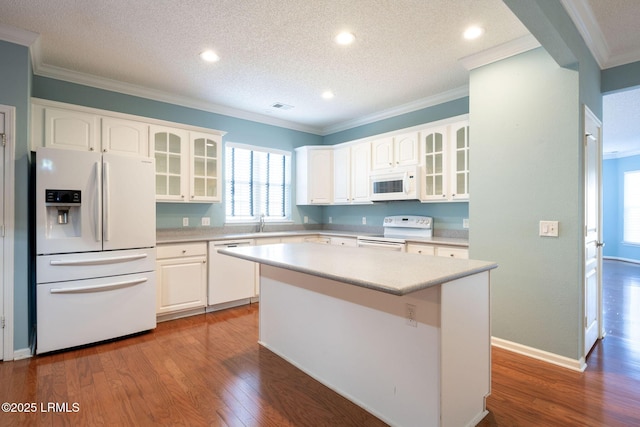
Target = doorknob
(599,244)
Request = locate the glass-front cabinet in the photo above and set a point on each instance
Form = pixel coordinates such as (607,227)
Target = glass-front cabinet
(187,165)
(460,166)
(170,149)
(205,172)
(435,157)
(445,156)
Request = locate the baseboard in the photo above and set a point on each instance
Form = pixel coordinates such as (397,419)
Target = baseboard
(23,353)
(615,258)
(545,356)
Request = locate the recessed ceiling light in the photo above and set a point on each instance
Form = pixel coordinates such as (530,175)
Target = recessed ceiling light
(327,94)
(209,56)
(472,33)
(345,38)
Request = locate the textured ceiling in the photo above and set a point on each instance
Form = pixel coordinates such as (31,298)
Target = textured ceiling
(271,50)
(406,52)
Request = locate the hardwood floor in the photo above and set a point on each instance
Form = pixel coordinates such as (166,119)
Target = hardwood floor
(209,370)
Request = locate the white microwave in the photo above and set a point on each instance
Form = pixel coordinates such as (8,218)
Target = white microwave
(398,184)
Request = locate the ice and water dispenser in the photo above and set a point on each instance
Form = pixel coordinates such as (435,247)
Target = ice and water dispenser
(63,213)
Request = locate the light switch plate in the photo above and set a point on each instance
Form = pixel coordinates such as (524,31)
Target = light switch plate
(206,221)
(185,222)
(465,223)
(549,228)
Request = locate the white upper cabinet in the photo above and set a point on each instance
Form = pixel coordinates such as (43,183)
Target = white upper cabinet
(170,147)
(125,137)
(206,170)
(360,168)
(187,165)
(351,166)
(400,150)
(70,130)
(460,161)
(445,155)
(314,175)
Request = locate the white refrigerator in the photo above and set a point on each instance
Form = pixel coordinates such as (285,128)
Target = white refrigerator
(95,246)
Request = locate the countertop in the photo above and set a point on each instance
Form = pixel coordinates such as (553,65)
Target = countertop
(206,236)
(396,273)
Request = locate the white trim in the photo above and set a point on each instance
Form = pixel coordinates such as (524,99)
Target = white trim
(9,224)
(17,35)
(620,154)
(500,52)
(450,95)
(565,362)
(257,148)
(585,21)
(615,258)
(23,353)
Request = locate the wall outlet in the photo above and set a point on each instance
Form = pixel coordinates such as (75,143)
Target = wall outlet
(206,221)
(410,314)
(465,223)
(305,219)
(330,220)
(185,222)
(364,220)
(548,228)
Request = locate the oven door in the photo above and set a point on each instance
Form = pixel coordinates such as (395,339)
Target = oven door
(384,245)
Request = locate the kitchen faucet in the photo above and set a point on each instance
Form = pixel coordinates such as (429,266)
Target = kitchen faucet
(261,223)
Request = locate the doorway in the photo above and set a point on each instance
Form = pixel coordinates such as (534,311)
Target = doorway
(7,156)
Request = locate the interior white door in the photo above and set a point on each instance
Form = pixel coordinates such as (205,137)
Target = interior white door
(593,244)
(129,204)
(2,284)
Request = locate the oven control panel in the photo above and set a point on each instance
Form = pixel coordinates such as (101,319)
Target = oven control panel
(408,221)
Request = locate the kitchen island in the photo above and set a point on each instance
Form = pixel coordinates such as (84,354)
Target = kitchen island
(405,336)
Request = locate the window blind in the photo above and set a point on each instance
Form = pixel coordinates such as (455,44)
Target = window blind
(257,182)
(632,207)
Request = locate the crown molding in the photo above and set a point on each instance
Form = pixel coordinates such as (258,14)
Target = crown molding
(161,96)
(500,52)
(585,21)
(410,107)
(620,154)
(17,35)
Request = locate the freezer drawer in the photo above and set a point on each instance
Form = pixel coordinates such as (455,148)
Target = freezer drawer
(65,267)
(87,311)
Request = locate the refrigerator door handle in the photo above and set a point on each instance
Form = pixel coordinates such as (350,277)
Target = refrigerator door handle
(98,288)
(98,207)
(97,261)
(107,201)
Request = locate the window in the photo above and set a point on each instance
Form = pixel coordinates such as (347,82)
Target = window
(632,207)
(257,182)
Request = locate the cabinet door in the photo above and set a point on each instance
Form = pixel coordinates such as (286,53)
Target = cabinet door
(206,167)
(445,251)
(125,137)
(406,149)
(182,284)
(382,153)
(416,248)
(435,156)
(342,175)
(360,165)
(71,130)
(321,176)
(170,149)
(459,177)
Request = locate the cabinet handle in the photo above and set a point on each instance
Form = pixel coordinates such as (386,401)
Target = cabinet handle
(184,251)
(182,195)
(451,255)
(104,150)
(90,148)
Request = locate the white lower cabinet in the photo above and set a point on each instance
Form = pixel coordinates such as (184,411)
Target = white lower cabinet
(438,250)
(181,271)
(231,280)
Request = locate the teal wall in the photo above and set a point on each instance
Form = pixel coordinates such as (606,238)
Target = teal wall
(526,113)
(619,78)
(613,207)
(15,85)
(169,215)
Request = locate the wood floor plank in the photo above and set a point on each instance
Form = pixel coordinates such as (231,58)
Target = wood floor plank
(208,370)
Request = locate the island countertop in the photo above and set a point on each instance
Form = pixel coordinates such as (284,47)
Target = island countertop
(396,273)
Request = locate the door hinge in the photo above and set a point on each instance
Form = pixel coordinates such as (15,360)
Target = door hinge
(2,322)
(3,137)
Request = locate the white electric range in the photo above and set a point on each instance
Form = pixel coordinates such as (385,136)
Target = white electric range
(397,229)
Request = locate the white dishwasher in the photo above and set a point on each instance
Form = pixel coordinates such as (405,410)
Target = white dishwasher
(230,279)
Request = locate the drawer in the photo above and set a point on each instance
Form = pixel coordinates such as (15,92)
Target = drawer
(453,252)
(181,250)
